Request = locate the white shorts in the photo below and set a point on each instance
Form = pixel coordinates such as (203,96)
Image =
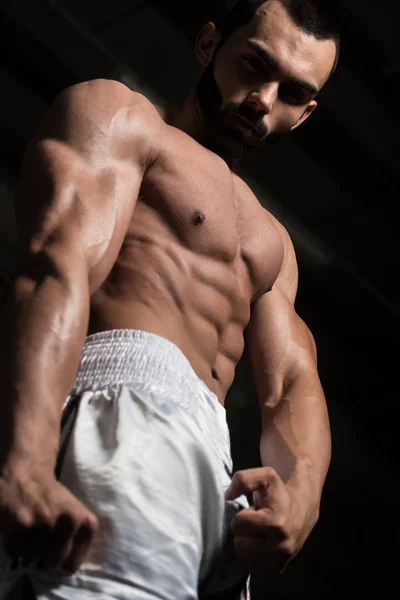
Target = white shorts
(149,454)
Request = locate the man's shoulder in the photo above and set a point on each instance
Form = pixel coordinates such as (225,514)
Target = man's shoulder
(287,279)
(259,211)
(103,113)
(268,233)
(103,99)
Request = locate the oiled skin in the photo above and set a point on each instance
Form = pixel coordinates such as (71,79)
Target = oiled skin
(126,221)
(198,251)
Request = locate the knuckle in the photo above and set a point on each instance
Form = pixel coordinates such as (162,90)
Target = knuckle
(73,520)
(86,517)
(289,549)
(24,518)
(43,516)
(93,524)
(76,521)
(271,474)
(239,478)
(279,524)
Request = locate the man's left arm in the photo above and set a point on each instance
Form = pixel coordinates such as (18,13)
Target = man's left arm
(295,443)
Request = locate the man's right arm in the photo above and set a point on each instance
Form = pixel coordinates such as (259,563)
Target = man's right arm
(80,180)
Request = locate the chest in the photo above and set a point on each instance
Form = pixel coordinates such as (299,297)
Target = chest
(195,197)
(211,214)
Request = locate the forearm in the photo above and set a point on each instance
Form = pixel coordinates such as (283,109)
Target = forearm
(48,317)
(296,438)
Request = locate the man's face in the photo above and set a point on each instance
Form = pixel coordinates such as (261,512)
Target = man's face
(261,82)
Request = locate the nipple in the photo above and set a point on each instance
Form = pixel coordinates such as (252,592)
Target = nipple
(198,218)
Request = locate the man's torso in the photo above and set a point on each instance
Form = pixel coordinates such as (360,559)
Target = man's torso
(199,250)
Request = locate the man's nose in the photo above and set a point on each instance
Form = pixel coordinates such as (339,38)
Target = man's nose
(264,98)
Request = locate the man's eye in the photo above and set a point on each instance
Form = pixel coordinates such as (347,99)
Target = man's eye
(254,63)
(293,96)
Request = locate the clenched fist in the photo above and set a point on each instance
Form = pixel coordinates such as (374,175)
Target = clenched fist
(41,521)
(269,534)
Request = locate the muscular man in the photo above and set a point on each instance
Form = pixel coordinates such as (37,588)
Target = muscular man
(146,263)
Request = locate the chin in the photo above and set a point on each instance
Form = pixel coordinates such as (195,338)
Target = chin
(229,146)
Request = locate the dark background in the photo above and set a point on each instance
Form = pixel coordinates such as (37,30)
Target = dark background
(334,185)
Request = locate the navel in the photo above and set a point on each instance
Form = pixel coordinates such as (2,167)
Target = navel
(198,218)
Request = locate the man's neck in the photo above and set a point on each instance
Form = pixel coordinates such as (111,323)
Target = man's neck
(188,118)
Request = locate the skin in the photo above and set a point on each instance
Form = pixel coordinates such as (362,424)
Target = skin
(128,220)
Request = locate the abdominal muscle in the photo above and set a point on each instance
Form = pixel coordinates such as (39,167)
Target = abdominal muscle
(192,301)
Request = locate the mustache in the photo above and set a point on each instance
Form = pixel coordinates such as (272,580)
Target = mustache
(255,118)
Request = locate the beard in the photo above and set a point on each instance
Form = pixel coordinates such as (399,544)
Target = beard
(226,134)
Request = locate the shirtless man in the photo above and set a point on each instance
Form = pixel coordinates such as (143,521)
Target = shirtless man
(136,233)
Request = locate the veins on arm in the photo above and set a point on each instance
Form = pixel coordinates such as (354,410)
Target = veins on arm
(295,426)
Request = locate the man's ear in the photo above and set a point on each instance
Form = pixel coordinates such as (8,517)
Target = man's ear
(207,40)
(310,108)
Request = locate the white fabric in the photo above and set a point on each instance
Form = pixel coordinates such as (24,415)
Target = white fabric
(150,456)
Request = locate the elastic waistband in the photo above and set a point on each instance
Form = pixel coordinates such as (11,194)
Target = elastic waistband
(145,360)
(128,355)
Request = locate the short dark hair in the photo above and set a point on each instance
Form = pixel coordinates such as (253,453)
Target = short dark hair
(315,17)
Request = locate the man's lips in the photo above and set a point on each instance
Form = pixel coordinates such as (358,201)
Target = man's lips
(250,125)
